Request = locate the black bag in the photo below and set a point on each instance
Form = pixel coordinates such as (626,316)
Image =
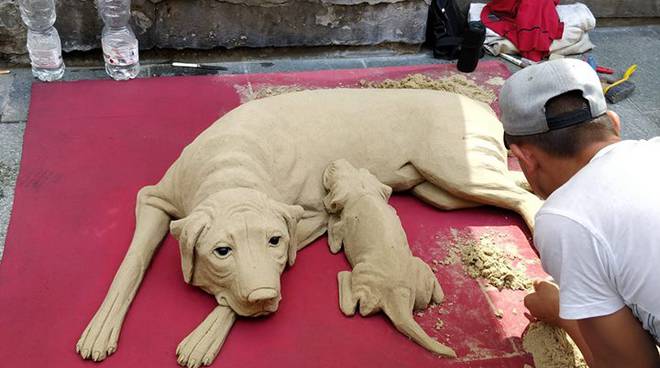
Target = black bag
(471,47)
(444,29)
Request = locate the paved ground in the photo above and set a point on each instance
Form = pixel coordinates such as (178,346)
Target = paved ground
(618,47)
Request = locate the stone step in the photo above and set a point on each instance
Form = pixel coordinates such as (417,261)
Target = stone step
(206,24)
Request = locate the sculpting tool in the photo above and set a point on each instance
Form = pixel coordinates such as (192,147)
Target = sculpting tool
(198,66)
(516,61)
(5,72)
(604,70)
(509,58)
(622,88)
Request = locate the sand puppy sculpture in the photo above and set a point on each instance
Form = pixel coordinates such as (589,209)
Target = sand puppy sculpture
(246,194)
(386,276)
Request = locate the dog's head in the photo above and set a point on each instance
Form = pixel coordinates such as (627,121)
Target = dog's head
(235,246)
(345,183)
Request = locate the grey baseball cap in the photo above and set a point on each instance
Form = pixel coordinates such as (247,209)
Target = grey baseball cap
(525,94)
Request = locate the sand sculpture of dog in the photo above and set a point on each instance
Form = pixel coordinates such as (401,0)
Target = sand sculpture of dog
(246,194)
(386,276)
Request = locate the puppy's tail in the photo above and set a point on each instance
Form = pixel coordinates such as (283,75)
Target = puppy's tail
(401,316)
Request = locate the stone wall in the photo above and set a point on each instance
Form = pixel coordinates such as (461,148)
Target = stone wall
(205,24)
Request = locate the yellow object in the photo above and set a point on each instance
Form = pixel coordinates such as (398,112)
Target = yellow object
(626,75)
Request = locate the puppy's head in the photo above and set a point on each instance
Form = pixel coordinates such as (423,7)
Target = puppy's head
(345,183)
(235,246)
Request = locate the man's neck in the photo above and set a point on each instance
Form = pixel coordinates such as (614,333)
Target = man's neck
(566,168)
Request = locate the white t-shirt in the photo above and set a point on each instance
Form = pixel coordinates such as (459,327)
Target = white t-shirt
(599,235)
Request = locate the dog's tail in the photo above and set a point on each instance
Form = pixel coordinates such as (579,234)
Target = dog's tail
(399,312)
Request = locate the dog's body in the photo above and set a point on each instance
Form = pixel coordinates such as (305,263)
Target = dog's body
(447,148)
(386,276)
(274,147)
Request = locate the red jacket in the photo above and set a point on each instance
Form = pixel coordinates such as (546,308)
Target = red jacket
(531,25)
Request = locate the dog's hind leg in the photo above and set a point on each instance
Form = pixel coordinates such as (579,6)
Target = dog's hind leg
(152,223)
(404,178)
(485,183)
(440,198)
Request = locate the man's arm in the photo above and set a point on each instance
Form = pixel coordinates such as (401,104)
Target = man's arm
(543,304)
(618,340)
(614,340)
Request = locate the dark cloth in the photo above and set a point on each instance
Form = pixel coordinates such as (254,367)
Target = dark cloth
(531,25)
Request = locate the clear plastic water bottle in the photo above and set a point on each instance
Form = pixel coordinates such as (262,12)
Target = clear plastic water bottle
(43,41)
(120,46)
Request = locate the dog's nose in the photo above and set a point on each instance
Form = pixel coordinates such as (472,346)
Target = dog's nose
(262,294)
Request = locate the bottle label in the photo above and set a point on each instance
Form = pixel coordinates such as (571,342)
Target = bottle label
(124,55)
(47,59)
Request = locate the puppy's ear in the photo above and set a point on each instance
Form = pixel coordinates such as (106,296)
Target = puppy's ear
(347,301)
(336,199)
(187,231)
(372,184)
(337,195)
(291,214)
(335,233)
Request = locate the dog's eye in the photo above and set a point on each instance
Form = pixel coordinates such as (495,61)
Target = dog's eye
(274,241)
(222,252)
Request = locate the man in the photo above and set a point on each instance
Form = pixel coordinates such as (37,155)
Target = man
(598,233)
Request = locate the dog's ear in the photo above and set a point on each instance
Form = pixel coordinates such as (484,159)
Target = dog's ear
(187,231)
(291,214)
(372,184)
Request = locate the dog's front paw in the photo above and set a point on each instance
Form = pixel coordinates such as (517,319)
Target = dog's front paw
(203,344)
(99,339)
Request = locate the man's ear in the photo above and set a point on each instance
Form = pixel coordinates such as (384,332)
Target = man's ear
(187,231)
(616,121)
(291,214)
(526,157)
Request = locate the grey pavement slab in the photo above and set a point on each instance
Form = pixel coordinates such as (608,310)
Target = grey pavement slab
(11,142)
(16,107)
(5,87)
(636,124)
(620,48)
(423,57)
(287,65)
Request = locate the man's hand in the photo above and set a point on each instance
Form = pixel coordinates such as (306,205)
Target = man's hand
(543,303)
(615,340)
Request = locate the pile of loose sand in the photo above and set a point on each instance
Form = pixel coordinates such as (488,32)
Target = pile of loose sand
(551,347)
(456,83)
(256,92)
(482,258)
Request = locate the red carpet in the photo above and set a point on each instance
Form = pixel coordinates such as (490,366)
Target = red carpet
(90,145)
